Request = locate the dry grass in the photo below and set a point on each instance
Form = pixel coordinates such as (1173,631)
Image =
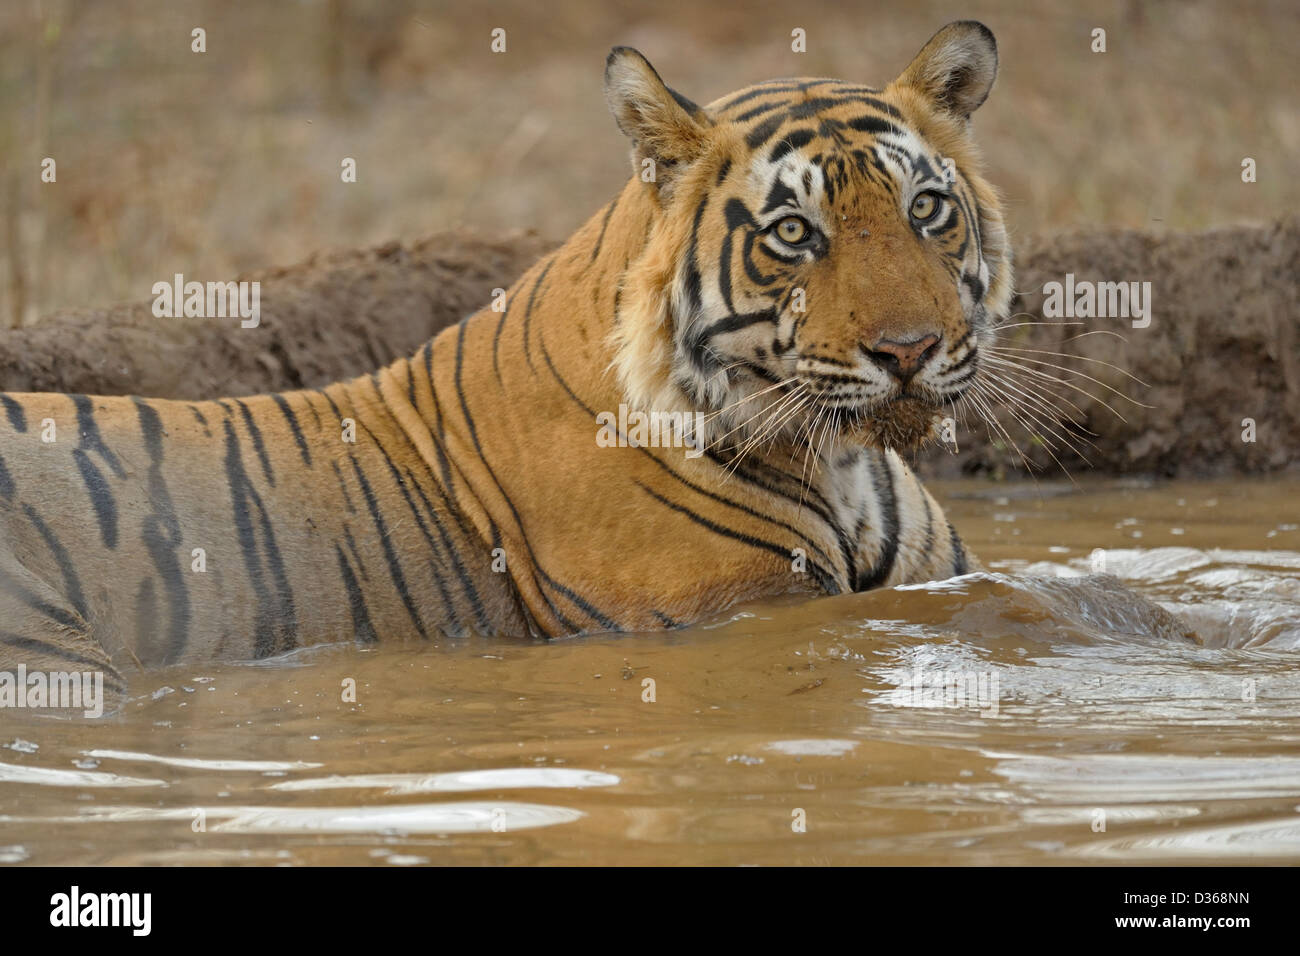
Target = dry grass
(171,161)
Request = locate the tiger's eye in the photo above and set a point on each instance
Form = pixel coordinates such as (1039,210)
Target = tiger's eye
(925,206)
(792,230)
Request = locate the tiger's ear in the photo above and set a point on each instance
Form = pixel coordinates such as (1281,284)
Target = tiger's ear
(665,127)
(956,68)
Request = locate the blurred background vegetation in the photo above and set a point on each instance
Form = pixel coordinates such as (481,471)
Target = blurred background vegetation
(215,163)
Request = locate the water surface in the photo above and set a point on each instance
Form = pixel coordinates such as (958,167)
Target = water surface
(1031,715)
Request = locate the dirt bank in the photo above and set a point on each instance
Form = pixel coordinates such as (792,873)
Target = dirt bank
(333,316)
(1221,346)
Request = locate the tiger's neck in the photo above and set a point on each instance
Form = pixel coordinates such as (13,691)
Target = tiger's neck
(504,405)
(505,408)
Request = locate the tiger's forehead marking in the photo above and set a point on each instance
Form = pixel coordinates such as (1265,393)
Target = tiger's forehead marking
(780,110)
(791,184)
(850,129)
(802,97)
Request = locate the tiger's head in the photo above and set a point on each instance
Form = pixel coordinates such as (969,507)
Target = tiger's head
(823,257)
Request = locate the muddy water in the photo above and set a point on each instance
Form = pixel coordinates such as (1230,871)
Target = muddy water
(1028,716)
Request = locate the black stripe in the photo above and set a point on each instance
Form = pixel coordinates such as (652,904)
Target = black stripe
(457,628)
(276,618)
(17,418)
(356,554)
(58,615)
(790,142)
(325,395)
(528,312)
(959,565)
(873,125)
(496,343)
(394,566)
(966,360)
(812,545)
(292,419)
(363,631)
(457,565)
(734,323)
(581,603)
(764,131)
(446,493)
(347,498)
(91,440)
(101,497)
(824,579)
(693,280)
(882,481)
(35,646)
(161,534)
(867,96)
(410,380)
(805,108)
(724,258)
(928,548)
(71,583)
(600,239)
(478,449)
(780,194)
(6,482)
(682,101)
(762,89)
(315,415)
(258,444)
(804,496)
(757,111)
(427,352)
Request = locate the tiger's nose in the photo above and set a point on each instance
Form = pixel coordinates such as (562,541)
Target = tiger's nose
(903,359)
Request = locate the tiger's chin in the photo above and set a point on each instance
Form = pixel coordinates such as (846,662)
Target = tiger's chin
(902,424)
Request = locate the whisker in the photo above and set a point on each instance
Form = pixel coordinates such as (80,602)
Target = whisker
(808,459)
(1082,358)
(749,397)
(1084,335)
(1047,446)
(1004,372)
(991,422)
(776,409)
(1018,408)
(1013,360)
(1055,380)
(767,408)
(1025,325)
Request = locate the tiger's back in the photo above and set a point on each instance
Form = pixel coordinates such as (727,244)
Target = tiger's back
(147,532)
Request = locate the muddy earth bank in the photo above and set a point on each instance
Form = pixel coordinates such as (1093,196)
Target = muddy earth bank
(1222,344)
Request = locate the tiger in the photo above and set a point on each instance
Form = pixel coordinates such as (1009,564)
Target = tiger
(796,279)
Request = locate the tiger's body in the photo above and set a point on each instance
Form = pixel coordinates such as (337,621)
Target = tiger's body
(473,496)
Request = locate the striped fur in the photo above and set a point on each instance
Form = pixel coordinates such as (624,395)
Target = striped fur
(481,448)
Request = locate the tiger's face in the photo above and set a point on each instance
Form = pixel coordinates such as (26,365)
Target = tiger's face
(838,257)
